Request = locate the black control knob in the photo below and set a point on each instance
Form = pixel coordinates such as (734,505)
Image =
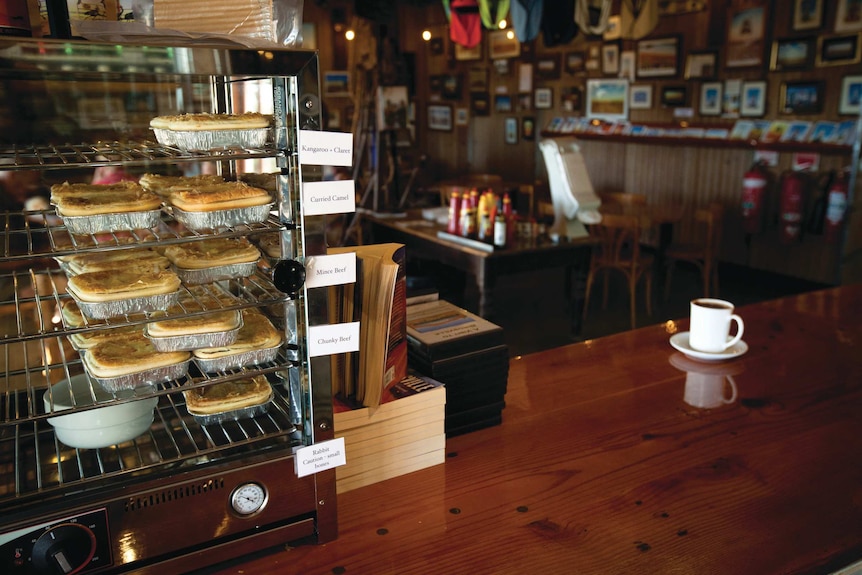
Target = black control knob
(65,548)
(288,276)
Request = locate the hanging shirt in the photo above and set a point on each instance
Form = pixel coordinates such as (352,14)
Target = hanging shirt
(493,11)
(527,18)
(638,18)
(465,23)
(558,23)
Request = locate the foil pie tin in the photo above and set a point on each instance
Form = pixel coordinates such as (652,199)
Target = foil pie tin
(234,414)
(222,218)
(203,140)
(139,378)
(101,223)
(216,273)
(108,309)
(164,136)
(236,360)
(193,341)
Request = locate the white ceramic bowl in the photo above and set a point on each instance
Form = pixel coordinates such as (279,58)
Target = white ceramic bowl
(101,427)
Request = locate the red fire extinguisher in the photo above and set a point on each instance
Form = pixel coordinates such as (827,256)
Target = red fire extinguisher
(836,205)
(753,198)
(790,207)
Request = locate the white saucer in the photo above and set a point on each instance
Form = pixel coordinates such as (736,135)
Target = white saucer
(680,342)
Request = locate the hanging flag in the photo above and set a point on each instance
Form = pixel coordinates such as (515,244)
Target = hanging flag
(526,18)
(500,9)
(558,23)
(465,22)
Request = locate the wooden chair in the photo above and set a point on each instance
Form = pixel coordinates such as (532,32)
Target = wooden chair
(702,252)
(630,204)
(618,249)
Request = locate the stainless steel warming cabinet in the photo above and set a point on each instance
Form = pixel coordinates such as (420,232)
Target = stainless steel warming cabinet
(184,493)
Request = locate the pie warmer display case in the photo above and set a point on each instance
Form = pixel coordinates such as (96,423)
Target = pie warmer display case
(182,495)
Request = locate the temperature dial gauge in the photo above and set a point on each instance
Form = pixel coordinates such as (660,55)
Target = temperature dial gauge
(248,498)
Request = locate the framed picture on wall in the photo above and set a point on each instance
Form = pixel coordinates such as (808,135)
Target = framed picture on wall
(838,50)
(608,99)
(658,57)
(792,54)
(571,99)
(336,83)
(501,46)
(511,130)
(701,64)
(627,65)
(674,96)
(731,92)
(528,128)
(851,95)
(480,104)
(710,98)
(543,98)
(464,53)
(611,58)
(440,117)
(753,99)
(576,62)
(437,46)
(451,86)
(801,98)
(478,79)
(502,103)
(807,14)
(848,16)
(746,35)
(462,116)
(548,67)
(640,97)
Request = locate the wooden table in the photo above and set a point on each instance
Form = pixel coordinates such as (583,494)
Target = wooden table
(484,267)
(600,466)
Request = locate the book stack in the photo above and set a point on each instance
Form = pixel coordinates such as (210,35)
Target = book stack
(468,354)
(396,437)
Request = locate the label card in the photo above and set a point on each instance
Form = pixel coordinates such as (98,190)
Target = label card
(331,270)
(319,457)
(331,339)
(325,148)
(336,197)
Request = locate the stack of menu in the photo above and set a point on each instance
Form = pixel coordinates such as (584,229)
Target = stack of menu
(399,436)
(468,354)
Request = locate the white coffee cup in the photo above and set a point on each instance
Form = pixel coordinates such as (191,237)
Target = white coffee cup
(709,390)
(709,330)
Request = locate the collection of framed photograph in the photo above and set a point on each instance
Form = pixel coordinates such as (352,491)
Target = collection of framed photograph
(650,71)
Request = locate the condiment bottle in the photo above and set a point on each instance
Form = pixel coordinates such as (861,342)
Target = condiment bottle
(454,213)
(500,231)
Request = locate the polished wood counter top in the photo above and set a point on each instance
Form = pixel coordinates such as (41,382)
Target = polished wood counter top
(601,466)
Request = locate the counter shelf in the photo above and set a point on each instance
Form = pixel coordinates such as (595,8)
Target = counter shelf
(21,403)
(54,238)
(131,153)
(252,291)
(175,438)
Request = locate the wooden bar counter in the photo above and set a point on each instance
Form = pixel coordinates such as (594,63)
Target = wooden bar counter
(601,466)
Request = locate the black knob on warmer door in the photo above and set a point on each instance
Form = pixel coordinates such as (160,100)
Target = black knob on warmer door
(288,276)
(66,548)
